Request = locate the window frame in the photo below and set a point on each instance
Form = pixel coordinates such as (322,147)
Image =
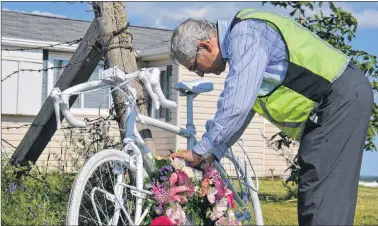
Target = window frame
(50,85)
(167,116)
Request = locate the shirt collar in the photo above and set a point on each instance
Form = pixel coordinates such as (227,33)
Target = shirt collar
(223,31)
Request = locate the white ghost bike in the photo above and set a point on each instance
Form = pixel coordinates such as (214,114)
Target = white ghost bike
(110,188)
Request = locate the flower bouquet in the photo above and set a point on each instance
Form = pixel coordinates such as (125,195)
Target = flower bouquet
(183,195)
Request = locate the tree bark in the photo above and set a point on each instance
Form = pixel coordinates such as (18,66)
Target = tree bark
(113,17)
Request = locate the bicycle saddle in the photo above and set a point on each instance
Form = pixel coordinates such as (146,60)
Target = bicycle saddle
(196,86)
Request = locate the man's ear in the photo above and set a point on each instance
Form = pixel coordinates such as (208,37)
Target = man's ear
(206,46)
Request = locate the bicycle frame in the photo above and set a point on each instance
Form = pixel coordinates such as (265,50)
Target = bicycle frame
(132,136)
(134,143)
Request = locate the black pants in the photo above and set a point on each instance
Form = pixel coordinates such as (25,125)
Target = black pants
(330,152)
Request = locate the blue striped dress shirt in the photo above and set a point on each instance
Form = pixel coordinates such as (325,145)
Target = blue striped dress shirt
(257,64)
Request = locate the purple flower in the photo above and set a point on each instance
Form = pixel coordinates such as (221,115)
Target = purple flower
(159,209)
(164,178)
(12,187)
(22,187)
(165,169)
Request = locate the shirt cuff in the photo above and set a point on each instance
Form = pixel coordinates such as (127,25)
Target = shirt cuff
(219,152)
(204,149)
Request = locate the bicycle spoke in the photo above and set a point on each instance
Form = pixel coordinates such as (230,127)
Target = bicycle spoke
(97,206)
(103,187)
(110,175)
(105,177)
(89,219)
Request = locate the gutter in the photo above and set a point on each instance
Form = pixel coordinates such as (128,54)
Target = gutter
(36,43)
(148,55)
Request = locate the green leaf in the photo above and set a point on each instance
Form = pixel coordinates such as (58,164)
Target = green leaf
(160,163)
(293,12)
(332,6)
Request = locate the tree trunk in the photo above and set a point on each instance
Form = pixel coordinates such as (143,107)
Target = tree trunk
(112,17)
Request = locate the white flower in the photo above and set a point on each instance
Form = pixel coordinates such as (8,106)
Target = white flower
(197,175)
(215,214)
(222,205)
(178,163)
(211,194)
(176,214)
(189,171)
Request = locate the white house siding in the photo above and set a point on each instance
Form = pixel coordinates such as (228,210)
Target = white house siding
(21,93)
(55,149)
(273,159)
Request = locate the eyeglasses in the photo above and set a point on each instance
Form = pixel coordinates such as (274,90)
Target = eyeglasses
(193,68)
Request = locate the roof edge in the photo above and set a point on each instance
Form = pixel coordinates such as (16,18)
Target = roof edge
(159,53)
(37,43)
(66,18)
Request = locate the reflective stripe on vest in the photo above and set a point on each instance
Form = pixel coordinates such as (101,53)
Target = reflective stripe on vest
(313,66)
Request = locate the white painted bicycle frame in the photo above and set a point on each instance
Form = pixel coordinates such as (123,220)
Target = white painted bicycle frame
(135,143)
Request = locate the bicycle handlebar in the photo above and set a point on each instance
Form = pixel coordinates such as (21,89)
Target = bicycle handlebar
(150,77)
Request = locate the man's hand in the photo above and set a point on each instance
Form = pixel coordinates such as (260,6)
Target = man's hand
(190,156)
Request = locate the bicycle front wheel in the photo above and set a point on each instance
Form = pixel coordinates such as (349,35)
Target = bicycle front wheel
(93,199)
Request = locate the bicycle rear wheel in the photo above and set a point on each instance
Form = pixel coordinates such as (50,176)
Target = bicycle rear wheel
(93,200)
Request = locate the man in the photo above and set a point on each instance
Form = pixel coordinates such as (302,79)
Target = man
(298,82)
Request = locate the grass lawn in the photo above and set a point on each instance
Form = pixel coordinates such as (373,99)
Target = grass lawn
(277,210)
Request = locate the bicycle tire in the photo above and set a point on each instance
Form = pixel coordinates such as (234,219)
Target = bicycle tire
(83,176)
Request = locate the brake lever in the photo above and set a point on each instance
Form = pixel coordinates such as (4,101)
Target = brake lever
(55,95)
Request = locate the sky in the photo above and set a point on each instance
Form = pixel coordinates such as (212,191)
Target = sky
(167,15)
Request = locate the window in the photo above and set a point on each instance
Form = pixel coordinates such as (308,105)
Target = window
(89,100)
(165,83)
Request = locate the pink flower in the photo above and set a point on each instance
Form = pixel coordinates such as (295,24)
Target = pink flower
(175,196)
(182,177)
(204,187)
(161,221)
(176,214)
(220,187)
(227,221)
(222,221)
(230,198)
(160,193)
(172,179)
(191,190)
(210,171)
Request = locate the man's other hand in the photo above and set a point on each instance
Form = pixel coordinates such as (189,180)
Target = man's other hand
(191,157)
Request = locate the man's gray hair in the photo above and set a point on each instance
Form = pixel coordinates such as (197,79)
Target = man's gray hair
(185,38)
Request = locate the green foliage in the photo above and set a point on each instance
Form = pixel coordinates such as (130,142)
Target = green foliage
(40,196)
(82,144)
(284,212)
(34,198)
